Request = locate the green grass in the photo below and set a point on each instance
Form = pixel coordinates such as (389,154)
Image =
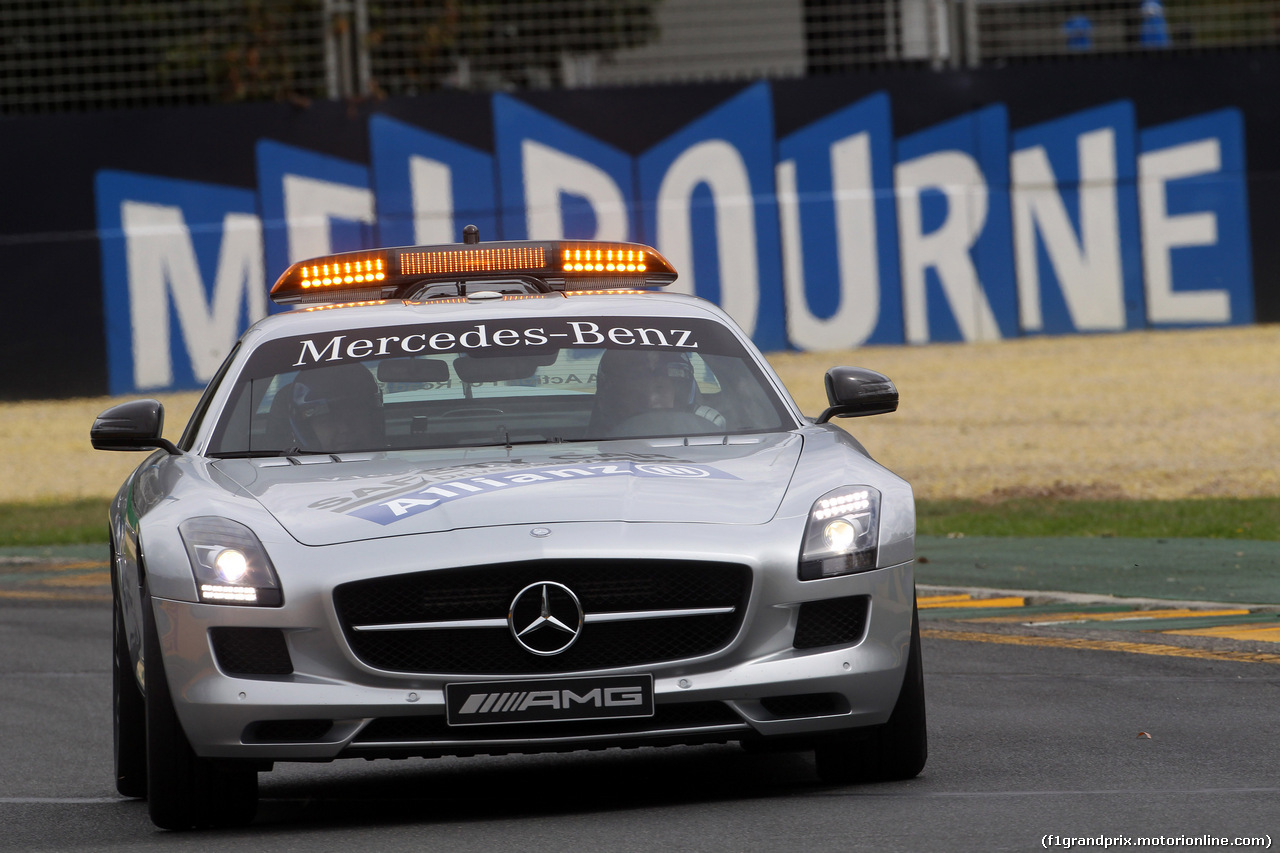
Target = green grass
(85,521)
(79,522)
(1214,518)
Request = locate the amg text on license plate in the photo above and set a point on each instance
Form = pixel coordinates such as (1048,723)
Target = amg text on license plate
(549,700)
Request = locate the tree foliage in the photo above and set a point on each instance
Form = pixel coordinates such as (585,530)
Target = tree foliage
(86,54)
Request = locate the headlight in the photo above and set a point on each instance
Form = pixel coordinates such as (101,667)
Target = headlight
(842,535)
(230,564)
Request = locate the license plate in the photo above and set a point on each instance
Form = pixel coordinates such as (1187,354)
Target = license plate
(549,700)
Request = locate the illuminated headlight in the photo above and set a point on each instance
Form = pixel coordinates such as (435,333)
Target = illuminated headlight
(842,535)
(230,564)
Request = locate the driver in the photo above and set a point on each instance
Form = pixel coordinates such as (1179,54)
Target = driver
(661,384)
(336,409)
(633,383)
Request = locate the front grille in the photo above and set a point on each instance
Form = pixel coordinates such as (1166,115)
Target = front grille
(666,718)
(486,593)
(251,651)
(834,622)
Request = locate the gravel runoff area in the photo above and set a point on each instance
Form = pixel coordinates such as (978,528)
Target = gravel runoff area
(1155,414)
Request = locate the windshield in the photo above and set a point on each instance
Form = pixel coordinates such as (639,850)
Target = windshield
(496,383)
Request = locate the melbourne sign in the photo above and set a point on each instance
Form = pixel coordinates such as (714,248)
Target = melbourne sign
(832,235)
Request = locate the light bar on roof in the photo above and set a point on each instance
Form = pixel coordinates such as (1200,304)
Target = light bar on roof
(590,258)
(558,265)
(352,271)
(473,260)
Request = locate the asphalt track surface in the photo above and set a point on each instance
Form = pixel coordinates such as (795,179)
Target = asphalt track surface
(1068,713)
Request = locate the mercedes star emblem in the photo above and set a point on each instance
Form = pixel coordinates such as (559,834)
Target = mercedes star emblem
(545,618)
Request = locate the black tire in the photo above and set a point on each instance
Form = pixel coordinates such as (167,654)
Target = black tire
(128,711)
(889,753)
(184,790)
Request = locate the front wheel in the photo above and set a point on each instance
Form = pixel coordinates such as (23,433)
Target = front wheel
(184,790)
(892,752)
(129,713)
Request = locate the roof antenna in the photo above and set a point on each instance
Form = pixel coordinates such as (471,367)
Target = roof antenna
(471,235)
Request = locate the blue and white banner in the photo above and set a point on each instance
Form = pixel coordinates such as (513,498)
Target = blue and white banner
(710,207)
(839,226)
(1076,223)
(836,234)
(182,277)
(557,181)
(428,187)
(954,232)
(1195,221)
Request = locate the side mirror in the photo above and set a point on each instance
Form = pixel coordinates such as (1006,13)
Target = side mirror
(135,425)
(854,392)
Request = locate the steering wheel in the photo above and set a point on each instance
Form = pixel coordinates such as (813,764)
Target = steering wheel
(664,422)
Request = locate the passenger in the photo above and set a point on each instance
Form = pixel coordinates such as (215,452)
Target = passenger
(336,409)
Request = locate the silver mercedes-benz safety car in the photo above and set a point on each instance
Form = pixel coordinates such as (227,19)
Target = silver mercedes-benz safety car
(503,497)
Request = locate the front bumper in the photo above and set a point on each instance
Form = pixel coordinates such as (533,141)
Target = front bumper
(332,705)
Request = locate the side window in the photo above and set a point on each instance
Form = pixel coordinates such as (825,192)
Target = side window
(233,432)
(248,424)
(202,407)
(737,394)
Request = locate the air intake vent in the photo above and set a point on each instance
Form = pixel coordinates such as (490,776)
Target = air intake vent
(287,731)
(806,705)
(835,622)
(251,651)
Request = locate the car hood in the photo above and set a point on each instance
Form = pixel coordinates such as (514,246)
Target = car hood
(324,500)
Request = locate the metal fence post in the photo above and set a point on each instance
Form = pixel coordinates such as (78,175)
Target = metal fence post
(364,64)
(332,84)
(347,64)
(972,59)
(945,52)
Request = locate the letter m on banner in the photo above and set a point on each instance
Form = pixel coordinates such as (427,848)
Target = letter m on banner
(182,278)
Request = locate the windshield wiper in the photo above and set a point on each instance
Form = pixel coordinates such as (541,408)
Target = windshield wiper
(245,454)
(505,441)
(267,454)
